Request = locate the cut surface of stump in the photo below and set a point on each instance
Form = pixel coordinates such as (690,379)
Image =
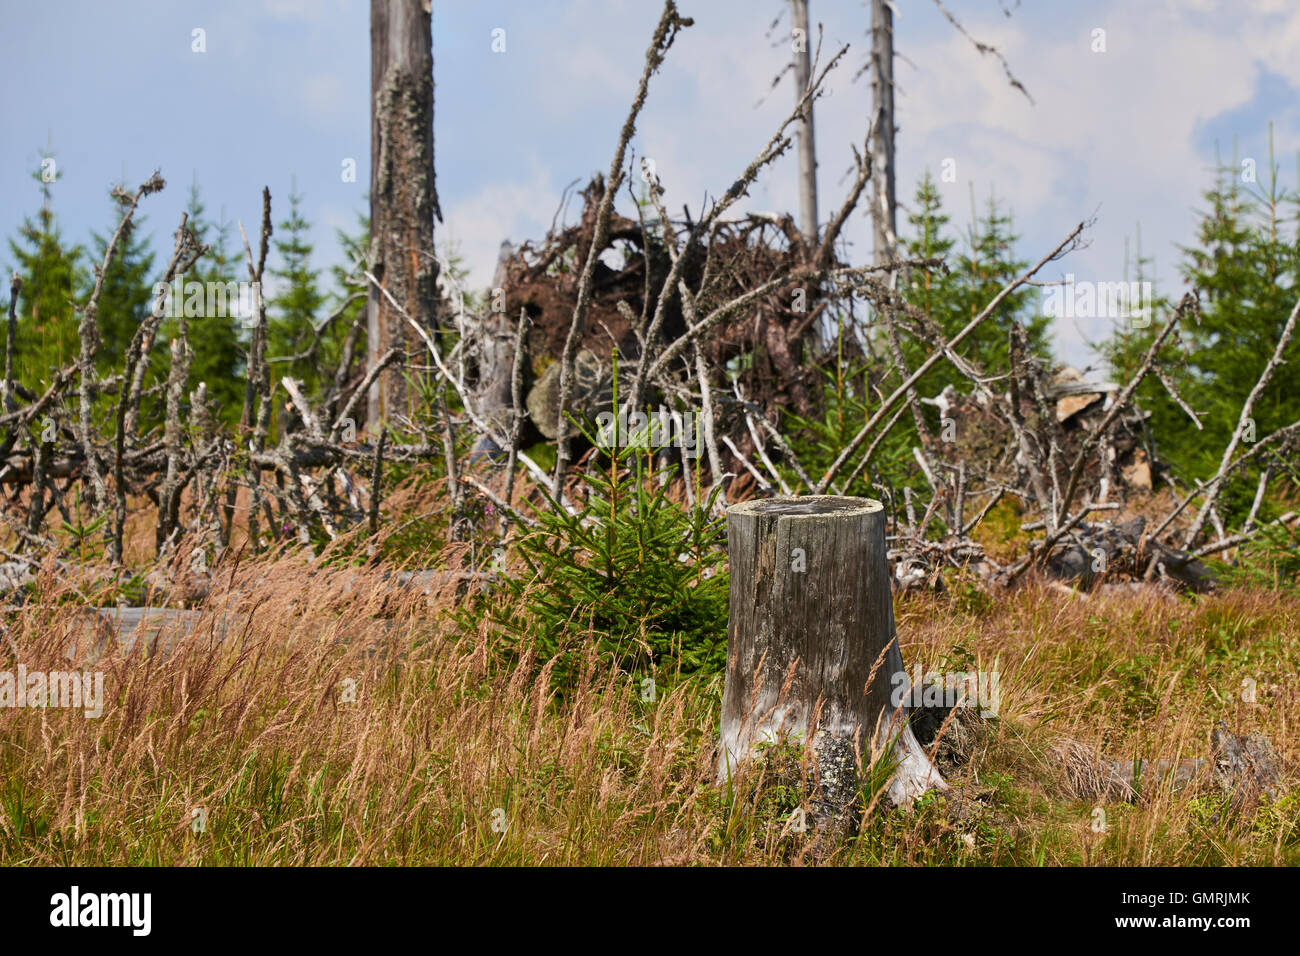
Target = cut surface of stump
(811,648)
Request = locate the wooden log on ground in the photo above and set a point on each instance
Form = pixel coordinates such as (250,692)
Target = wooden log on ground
(812,654)
(163,628)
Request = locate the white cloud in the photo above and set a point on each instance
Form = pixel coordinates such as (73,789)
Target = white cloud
(516,210)
(1118,132)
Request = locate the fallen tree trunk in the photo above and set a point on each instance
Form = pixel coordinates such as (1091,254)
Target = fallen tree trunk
(812,651)
(1242,766)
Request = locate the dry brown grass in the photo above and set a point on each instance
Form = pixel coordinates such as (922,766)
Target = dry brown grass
(245,717)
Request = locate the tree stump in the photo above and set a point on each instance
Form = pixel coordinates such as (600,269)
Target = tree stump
(811,648)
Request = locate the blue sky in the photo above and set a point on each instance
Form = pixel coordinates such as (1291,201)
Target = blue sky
(281,95)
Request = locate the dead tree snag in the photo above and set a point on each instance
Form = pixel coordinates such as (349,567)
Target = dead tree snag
(403,194)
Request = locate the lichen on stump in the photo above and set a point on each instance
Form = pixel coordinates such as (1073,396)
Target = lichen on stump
(811,648)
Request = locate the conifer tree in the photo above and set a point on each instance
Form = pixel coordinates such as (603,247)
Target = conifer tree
(1245,265)
(217,336)
(1125,348)
(975,277)
(296,307)
(127,294)
(347,282)
(54,278)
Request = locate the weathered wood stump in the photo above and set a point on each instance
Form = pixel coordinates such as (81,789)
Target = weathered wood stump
(811,654)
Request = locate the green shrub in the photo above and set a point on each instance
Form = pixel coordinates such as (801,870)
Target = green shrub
(632,569)
(1270,560)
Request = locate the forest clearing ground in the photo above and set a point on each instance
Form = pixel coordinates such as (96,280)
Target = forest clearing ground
(347,724)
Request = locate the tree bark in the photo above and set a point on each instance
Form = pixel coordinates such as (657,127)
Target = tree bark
(807,147)
(403,194)
(497,351)
(884,204)
(812,653)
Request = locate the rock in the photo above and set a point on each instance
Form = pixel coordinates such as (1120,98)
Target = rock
(590,385)
(1138,473)
(1070,405)
(1073,393)
(1245,765)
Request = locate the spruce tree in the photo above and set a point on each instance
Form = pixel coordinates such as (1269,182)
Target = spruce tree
(1245,267)
(1125,348)
(296,308)
(988,266)
(54,278)
(347,281)
(975,277)
(217,338)
(127,294)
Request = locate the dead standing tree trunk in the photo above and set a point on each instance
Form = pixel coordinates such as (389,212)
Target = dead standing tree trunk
(811,646)
(498,357)
(403,197)
(883,204)
(807,146)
